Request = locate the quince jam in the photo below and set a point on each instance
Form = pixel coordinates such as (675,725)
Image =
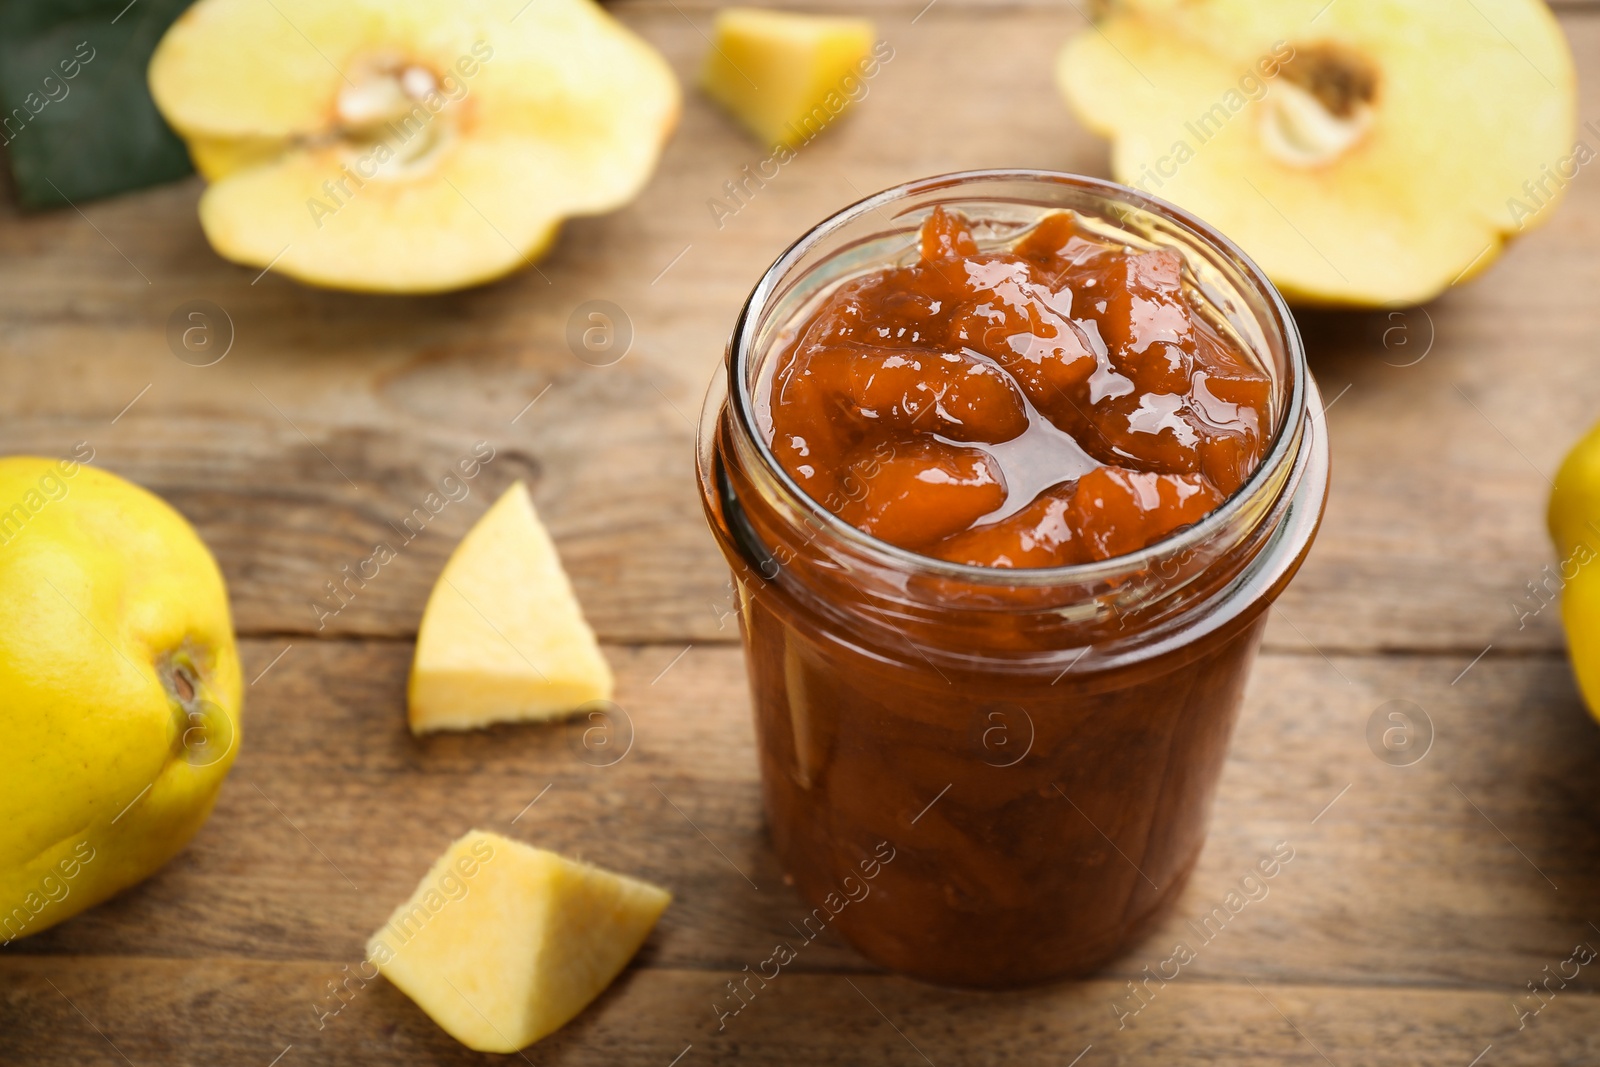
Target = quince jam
(999,771)
(1061,401)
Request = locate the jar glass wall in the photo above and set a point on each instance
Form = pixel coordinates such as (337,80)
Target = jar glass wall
(985,776)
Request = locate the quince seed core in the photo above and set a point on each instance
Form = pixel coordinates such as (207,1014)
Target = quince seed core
(1342,79)
(380,92)
(378,106)
(1322,107)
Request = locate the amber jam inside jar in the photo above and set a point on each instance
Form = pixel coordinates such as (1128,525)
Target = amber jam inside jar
(989,738)
(1061,399)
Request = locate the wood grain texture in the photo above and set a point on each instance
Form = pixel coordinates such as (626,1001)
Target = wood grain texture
(117,1011)
(1442,874)
(1420,902)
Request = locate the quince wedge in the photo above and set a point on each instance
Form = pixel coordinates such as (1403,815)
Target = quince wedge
(503,943)
(408,145)
(503,637)
(785,75)
(1363,152)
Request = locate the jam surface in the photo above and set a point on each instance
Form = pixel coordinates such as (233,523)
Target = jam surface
(1058,402)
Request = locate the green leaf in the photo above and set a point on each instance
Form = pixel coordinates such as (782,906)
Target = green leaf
(78,121)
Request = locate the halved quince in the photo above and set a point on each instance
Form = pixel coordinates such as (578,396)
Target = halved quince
(503,943)
(503,638)
(785,75)
(408,145)
(1363,152)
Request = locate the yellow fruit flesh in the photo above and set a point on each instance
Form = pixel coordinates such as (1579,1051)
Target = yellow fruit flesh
(105,587)
(1407,193)
(408,146)
(217,157)
(785,76)
(263,209)
(503,943)
(503,637)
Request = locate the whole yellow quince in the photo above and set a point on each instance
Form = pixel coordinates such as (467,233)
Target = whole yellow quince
(1574,519)
(120,683)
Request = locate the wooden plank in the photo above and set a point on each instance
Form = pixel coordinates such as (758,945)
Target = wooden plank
(335,415)
(1438,874)
(98,1011)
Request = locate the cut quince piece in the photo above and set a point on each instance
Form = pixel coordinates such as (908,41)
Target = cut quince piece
(786,76)
(1363,152)
(503,943)
(408,145)
(503,638)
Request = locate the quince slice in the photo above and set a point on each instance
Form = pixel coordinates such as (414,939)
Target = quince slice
(503,638)
(1363,152)
(408,145)
(503,943)
(786,76)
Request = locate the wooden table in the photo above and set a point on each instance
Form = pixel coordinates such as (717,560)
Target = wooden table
(1420,902)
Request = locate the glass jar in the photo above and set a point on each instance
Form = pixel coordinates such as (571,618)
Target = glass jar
(981,776)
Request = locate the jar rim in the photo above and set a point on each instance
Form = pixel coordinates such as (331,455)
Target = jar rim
(1284,443)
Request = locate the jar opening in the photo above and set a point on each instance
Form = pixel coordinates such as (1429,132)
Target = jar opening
(878,231)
